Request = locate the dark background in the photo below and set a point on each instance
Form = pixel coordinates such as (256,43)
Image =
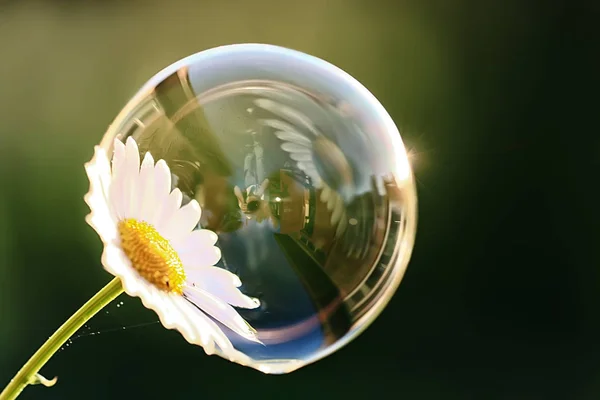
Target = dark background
(498,99)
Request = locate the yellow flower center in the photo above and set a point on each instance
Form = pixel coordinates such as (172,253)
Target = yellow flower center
(152,256)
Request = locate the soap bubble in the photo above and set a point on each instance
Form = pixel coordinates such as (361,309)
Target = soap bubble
(303,176)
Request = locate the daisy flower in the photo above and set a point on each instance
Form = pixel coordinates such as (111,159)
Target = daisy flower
(151,244)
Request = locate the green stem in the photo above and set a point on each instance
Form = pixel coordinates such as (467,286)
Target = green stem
(29,373)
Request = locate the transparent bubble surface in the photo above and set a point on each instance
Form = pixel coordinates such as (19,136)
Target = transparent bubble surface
(303,176)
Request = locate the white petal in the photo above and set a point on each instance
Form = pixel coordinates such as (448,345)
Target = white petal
(148,206)
(104,174)
(325,194)
(116,195)
(215,276)
(316,181)
(105,227)
(162,180)
(205,334)
(167,209)
(102,223)
(162,189)
(232,296)
(277,124)
(331,200)
(175,312)
(201,257)
(338,209)
(203,323)
(293,137)
(221,311)
(131,180)
(292,115)
(182,222)
(198,240)
(185,323)
(155,299)
(162,303)
(307,167)
(170,314)
(295,148)
(116,262)
(132,153)
(118,156)
(101,217)
(222,284)
(301,156)
(173,318)
(98,171)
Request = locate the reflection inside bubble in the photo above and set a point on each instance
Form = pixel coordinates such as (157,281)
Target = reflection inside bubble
(303,184)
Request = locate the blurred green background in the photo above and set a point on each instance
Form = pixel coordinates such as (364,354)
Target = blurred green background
(496,99)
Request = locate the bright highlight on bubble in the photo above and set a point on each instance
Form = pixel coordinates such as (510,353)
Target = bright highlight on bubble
(284,164)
